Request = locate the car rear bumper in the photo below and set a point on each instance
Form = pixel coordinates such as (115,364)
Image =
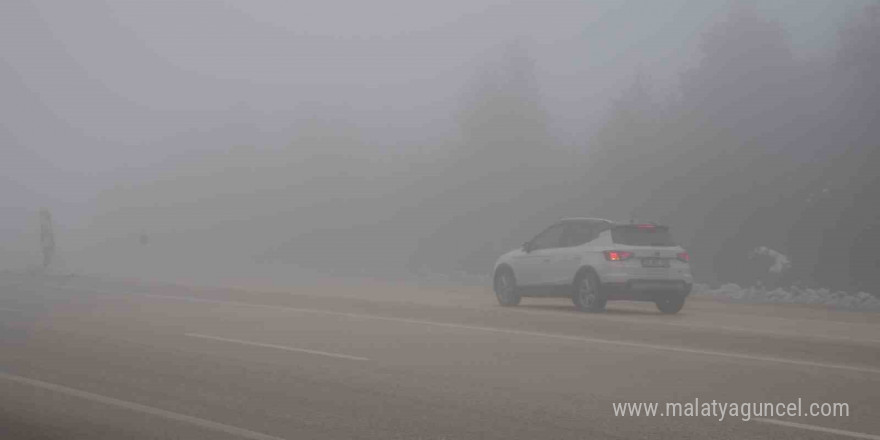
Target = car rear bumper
(645,290)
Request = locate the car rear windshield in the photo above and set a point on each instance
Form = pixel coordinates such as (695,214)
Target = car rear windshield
(642,235)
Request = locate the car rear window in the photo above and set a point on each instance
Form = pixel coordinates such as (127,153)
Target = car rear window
(642,235)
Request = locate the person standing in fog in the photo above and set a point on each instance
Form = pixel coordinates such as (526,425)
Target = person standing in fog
(47,237)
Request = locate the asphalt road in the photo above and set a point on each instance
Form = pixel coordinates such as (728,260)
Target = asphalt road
(97,359)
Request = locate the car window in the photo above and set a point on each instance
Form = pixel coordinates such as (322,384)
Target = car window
(642,235)
(578,233)
(550,238)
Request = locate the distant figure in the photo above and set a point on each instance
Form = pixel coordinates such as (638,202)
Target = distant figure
(772,276)
(47,237)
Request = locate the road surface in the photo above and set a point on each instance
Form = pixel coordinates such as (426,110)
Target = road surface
(84,358)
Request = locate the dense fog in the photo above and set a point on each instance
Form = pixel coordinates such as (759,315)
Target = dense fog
(399,140)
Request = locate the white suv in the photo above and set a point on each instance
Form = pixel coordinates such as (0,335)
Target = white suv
(593,261)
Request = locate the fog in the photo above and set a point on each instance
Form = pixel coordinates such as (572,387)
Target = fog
(276,140)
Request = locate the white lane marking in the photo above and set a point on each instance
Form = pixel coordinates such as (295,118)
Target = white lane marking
(605,318)
(818,429)
(511,332)
(241,432)
(278,347)
(530,333)
(714,327)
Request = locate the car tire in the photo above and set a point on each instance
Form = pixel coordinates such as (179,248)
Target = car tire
(587,294)
(670,304)
(505,288)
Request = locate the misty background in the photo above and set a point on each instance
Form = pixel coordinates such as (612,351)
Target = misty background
(396,139)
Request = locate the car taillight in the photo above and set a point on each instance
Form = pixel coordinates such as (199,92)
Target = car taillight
(618,255)
(684,257)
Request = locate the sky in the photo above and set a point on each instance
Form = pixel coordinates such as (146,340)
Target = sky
(128,74)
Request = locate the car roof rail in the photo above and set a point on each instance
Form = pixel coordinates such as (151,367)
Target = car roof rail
(593,219)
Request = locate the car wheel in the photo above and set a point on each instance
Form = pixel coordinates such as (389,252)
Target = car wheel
(670,304)
(587,295)
(505,289)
